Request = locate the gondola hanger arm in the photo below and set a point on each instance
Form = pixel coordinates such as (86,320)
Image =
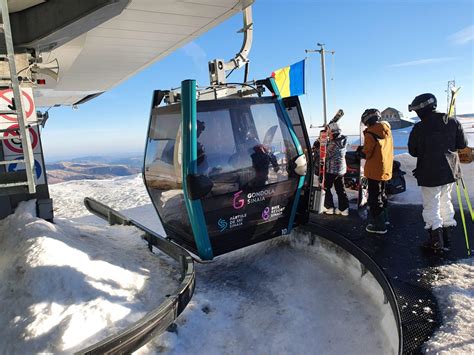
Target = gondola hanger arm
(218,68)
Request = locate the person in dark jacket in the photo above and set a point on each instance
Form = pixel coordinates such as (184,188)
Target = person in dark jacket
(335,171)
(262,157)
(434,141)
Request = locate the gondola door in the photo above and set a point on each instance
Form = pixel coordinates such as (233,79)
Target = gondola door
(295,113)
(242,170)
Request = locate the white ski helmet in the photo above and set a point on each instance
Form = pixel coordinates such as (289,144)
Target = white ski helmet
(334,127)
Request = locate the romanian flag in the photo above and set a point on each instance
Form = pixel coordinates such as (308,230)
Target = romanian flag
(290,79)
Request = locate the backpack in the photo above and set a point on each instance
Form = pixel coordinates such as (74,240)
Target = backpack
(397,183)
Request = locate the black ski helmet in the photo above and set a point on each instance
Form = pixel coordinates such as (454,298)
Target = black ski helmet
(370,115)
(423,102)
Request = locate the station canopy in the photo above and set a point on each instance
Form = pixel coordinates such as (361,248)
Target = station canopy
(122,37)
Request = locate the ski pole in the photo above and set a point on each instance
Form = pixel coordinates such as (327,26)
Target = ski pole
(458,192)
(468,201)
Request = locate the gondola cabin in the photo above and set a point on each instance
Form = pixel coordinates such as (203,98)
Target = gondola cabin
(223,173)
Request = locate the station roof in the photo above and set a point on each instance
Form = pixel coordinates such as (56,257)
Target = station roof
(144,32)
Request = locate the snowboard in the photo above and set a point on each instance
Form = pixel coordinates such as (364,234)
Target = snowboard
(363,188)
(269,135)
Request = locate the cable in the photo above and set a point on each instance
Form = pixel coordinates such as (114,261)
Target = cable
(227,84)
(229,73)
(29,71)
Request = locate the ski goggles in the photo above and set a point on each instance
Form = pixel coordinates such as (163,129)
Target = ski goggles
(366,118)
(421,105)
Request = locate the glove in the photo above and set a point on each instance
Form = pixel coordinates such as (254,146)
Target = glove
(359,151)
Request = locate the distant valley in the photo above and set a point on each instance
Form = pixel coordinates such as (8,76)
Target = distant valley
(92,168)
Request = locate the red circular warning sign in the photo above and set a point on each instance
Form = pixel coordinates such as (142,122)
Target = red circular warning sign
(14,143)
(6,98)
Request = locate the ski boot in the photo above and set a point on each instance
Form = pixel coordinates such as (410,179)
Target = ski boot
(344,213)
(447,236)
(435,241)
(329,210)
(377,225)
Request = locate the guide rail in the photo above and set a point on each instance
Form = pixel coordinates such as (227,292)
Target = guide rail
(159,319)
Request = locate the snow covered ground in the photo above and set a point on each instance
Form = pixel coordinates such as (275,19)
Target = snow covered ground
(242,302)
(454,291)
(122,193)
(66,285)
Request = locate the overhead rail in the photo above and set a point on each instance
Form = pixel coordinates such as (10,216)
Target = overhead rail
(218,68)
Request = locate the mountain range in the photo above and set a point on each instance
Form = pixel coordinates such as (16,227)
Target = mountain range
(92,168)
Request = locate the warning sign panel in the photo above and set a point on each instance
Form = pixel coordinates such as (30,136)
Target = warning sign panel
(7,104)
(39,169)
(13,145)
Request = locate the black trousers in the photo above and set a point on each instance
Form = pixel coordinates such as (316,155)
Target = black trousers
(377,200)
(338,182)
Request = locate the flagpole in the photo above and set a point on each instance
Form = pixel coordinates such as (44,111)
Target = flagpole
(322,51)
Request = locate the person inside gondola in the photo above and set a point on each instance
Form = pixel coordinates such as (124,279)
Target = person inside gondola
(201,154)
(262,157)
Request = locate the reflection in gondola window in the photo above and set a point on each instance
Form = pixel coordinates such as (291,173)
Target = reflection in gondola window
(215,141)
(160,166)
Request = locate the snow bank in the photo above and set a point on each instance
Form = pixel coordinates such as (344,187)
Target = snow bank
(275,298)
(122,193)
(454,290)
(64,286)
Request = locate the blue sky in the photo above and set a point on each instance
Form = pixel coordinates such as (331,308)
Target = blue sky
(387,52)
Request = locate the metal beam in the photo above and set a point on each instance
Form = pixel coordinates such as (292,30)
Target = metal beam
(55,22)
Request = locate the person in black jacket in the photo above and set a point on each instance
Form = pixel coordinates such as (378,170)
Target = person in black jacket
(262,157)
(434,141)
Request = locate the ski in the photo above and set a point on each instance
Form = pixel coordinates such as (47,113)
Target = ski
(318,204)
(461,210)
(452,103)
(323,139)
(452,113)
(323,142)
(468,200)
(337,116)
(363,187)
(466,155)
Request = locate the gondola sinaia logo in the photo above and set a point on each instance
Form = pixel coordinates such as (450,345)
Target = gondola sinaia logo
(252,197)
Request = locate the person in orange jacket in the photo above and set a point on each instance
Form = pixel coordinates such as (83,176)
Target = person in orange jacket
(378,151)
